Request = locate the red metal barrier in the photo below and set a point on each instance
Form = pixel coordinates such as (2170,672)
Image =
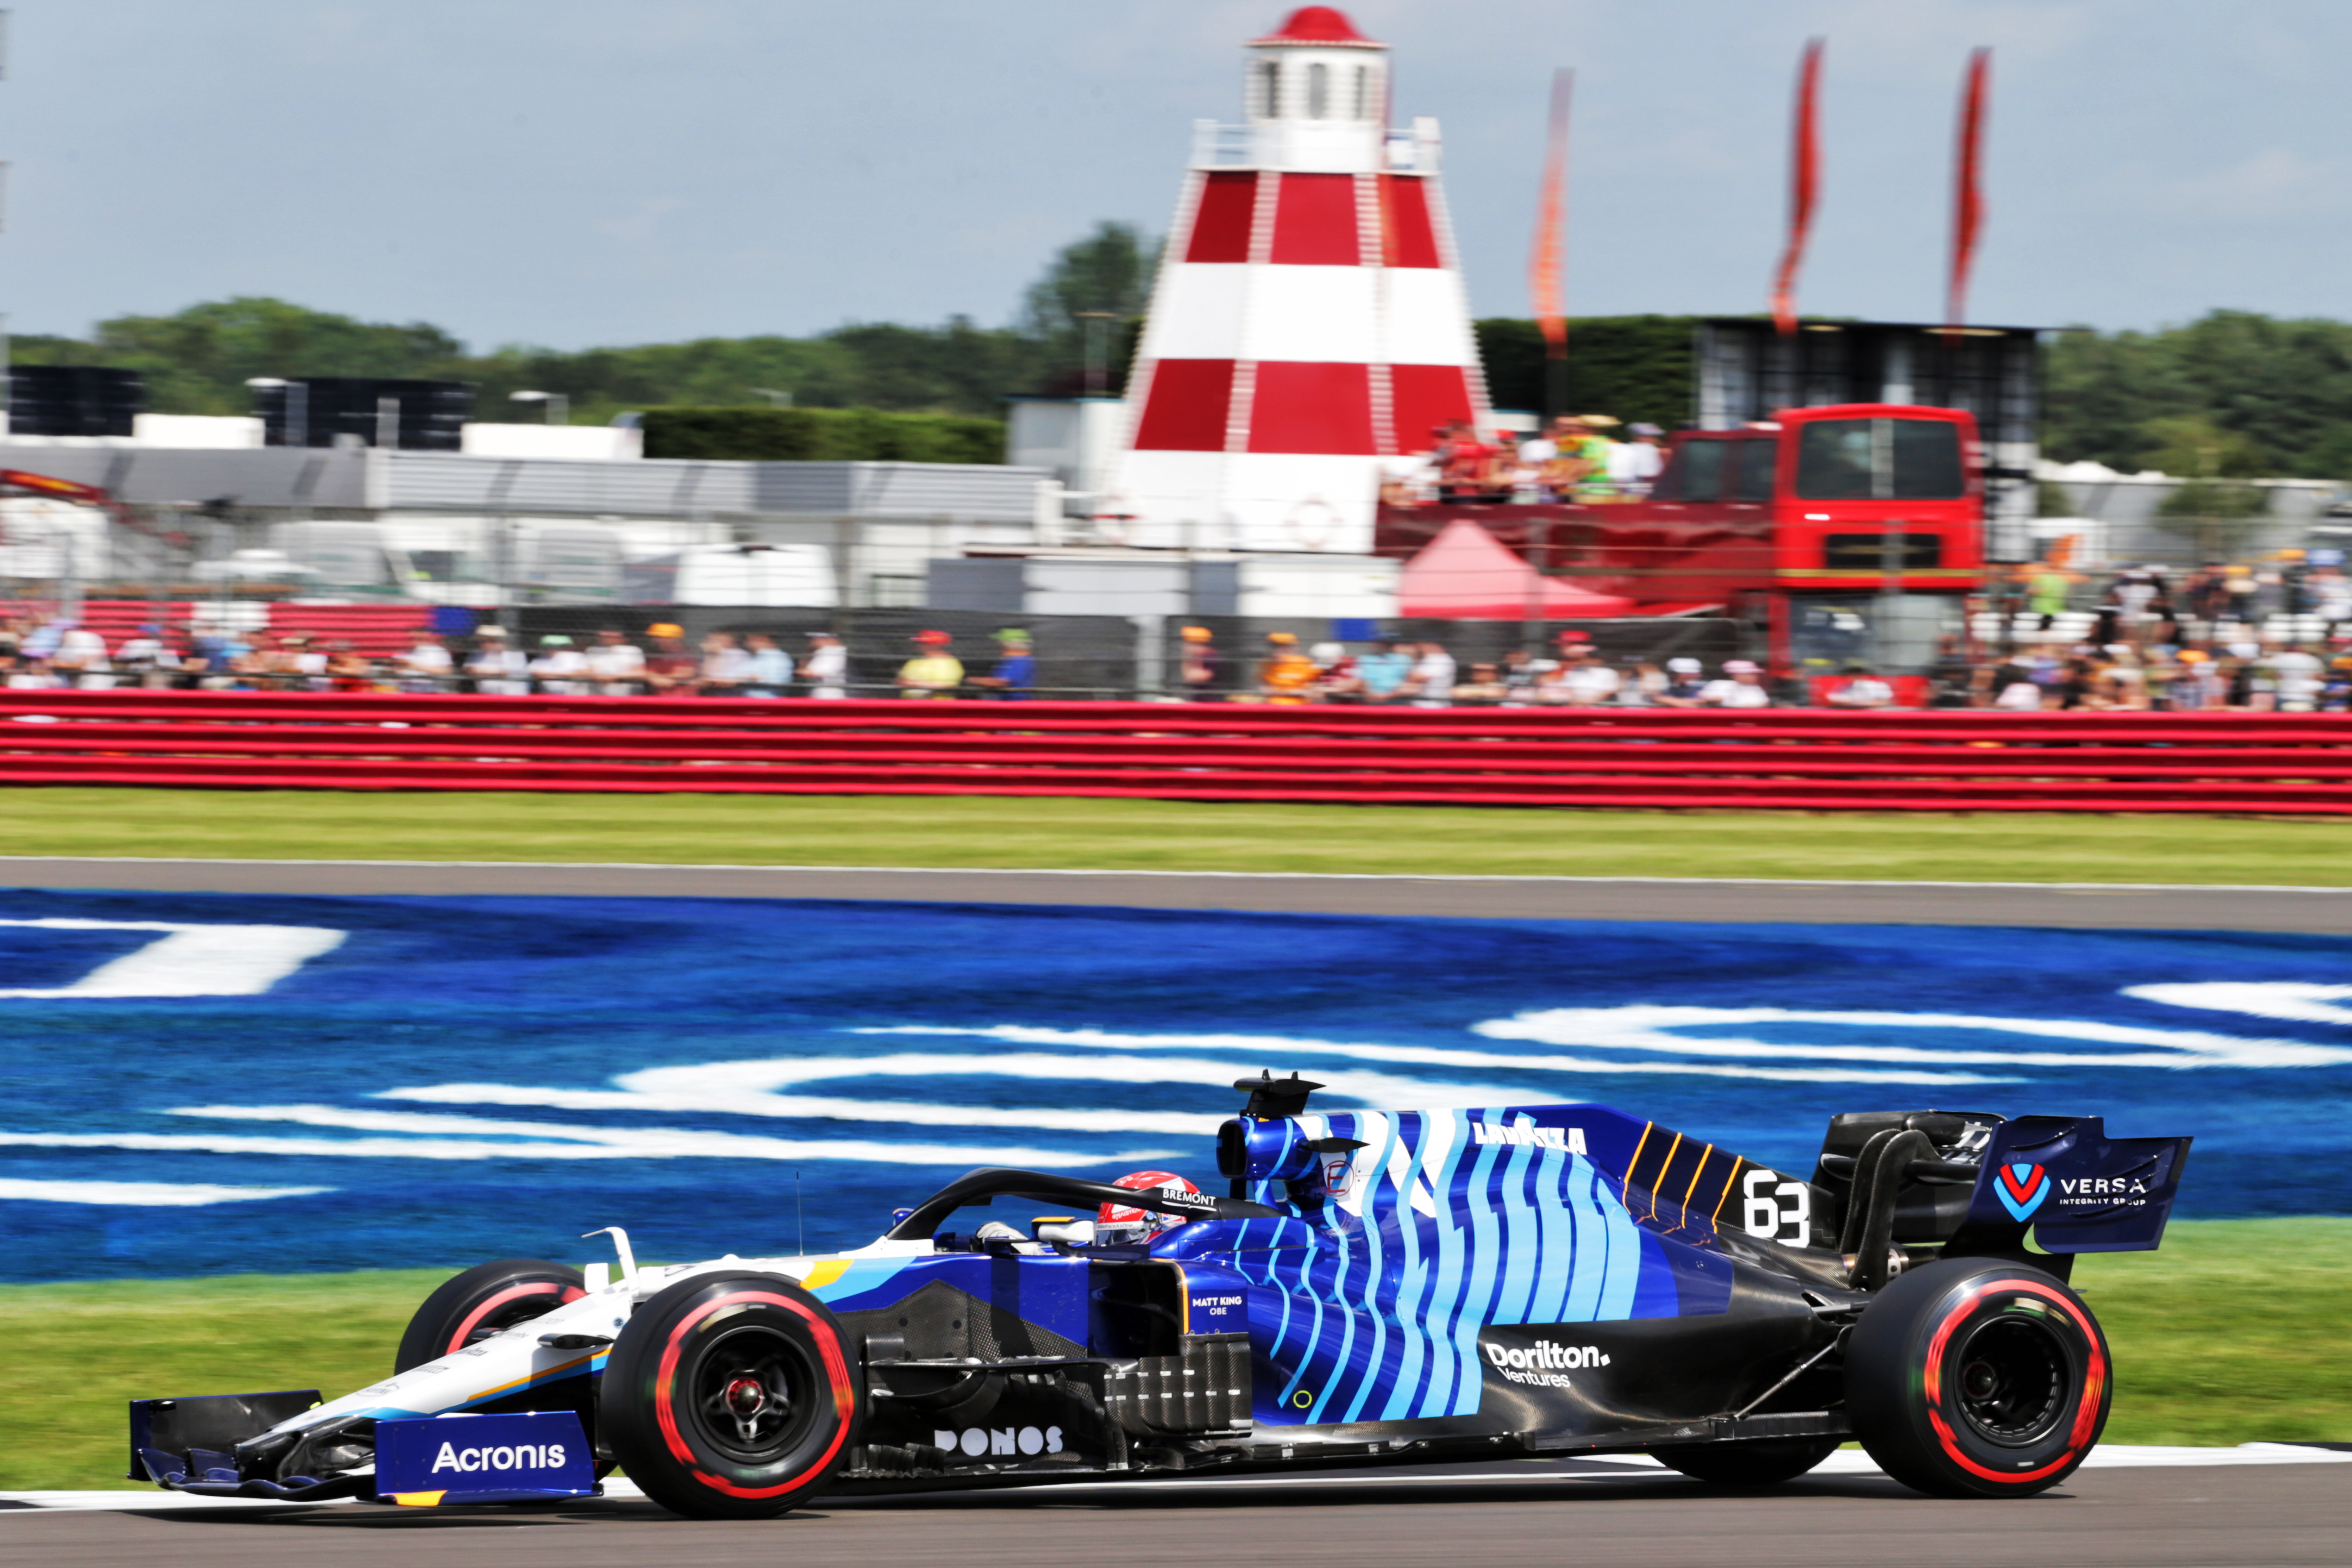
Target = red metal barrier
(1789,759)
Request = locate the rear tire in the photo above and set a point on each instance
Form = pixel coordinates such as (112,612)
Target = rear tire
(731,1395)
(1978,1378)
(1765,1462)
(483,1300)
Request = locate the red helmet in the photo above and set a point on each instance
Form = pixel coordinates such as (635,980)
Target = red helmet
(1144,1182)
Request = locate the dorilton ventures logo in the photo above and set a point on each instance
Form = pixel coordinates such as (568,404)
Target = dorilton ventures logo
(2021,1189)
(1544,1363)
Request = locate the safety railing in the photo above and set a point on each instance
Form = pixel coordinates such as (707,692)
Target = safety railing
(1784,759)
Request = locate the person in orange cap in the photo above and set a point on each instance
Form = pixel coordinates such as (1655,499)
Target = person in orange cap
(1287,674)
(933,672)
(670,669)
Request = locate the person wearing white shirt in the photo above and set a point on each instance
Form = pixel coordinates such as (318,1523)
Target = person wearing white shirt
(826,667)
(1863,690)
(613,664)
(498,670)
(1633,464)
(1742,687)
(1431,684)
(2298,673)
(1592,683)
(147,657)
(425,667)
(308,662)
(82,653)
(725,666)
(559,669)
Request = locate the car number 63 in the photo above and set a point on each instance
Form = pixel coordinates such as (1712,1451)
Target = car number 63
(1778,1209)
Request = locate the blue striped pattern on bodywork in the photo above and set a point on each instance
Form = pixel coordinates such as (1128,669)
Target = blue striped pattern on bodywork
(1370,1309)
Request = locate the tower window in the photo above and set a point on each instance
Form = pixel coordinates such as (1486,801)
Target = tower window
(1318,92)
(1270,75)
(1363,92)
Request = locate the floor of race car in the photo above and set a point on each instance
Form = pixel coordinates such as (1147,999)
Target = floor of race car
(2149,1507)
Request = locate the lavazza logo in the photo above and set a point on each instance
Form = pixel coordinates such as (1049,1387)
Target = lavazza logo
(1567,1140)
(1544,1364)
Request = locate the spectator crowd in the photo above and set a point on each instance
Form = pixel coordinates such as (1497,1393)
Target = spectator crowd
(1575,458)
(2271,637)
(56,652)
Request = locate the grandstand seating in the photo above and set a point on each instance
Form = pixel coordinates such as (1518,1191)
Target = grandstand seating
(1797,759)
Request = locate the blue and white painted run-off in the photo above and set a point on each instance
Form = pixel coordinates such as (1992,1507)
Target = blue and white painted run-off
(204,1083)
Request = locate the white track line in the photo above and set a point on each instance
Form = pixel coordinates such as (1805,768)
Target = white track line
(1844,1462)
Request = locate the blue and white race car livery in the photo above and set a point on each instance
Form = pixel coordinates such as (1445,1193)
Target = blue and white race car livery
(1372,1287)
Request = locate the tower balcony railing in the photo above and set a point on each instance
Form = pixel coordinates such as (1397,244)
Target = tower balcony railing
(1411,150)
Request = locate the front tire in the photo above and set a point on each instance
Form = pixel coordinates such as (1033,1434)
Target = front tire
(1978,1378)
(731,1397)
(1765,1462)
(484,1300)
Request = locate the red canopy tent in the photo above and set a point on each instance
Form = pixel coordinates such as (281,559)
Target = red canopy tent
(1465,575)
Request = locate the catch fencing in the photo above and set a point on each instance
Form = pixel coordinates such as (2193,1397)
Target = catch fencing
(1787,758)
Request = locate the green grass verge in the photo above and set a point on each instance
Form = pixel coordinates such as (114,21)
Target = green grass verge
(2219,1338)
(1168,836)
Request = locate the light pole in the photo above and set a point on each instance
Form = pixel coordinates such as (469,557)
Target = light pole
(558,406)
(296,422)
(1096,372)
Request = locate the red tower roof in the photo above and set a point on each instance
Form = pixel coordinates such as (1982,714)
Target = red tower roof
(1323,24)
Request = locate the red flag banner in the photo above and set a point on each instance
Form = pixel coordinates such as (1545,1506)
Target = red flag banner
(1804,185)
(1967,194)
(1546,266)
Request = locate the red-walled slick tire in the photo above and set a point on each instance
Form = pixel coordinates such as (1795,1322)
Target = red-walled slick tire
(731,1395)
(1976,1378)
(483,1300)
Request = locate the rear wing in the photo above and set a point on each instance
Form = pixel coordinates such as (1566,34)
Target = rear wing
(2080,1190)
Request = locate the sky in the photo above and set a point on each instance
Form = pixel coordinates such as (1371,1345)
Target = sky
(576,173)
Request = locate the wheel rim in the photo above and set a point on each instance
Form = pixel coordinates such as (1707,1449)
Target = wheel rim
(2015,1379)
(754,1395)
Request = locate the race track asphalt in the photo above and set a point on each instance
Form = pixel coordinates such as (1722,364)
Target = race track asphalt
(2317,910)
(1567,1514)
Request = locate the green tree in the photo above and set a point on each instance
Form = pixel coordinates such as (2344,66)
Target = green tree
(1106,274)
(1634,367)
(2281,389)
(198,361)
(2197,447)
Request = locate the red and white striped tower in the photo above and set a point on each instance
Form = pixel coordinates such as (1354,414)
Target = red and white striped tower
(1308,319)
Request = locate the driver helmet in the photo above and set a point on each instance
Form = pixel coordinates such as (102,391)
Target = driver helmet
(1122,1219)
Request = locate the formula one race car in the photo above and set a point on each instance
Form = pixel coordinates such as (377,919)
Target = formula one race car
(1376,1287)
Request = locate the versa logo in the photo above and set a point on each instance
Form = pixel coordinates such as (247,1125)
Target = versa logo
(2021,1189)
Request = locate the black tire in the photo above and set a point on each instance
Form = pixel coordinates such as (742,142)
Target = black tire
(731,1395)
(1765,1462)
(483,1300)
(1978,1378)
